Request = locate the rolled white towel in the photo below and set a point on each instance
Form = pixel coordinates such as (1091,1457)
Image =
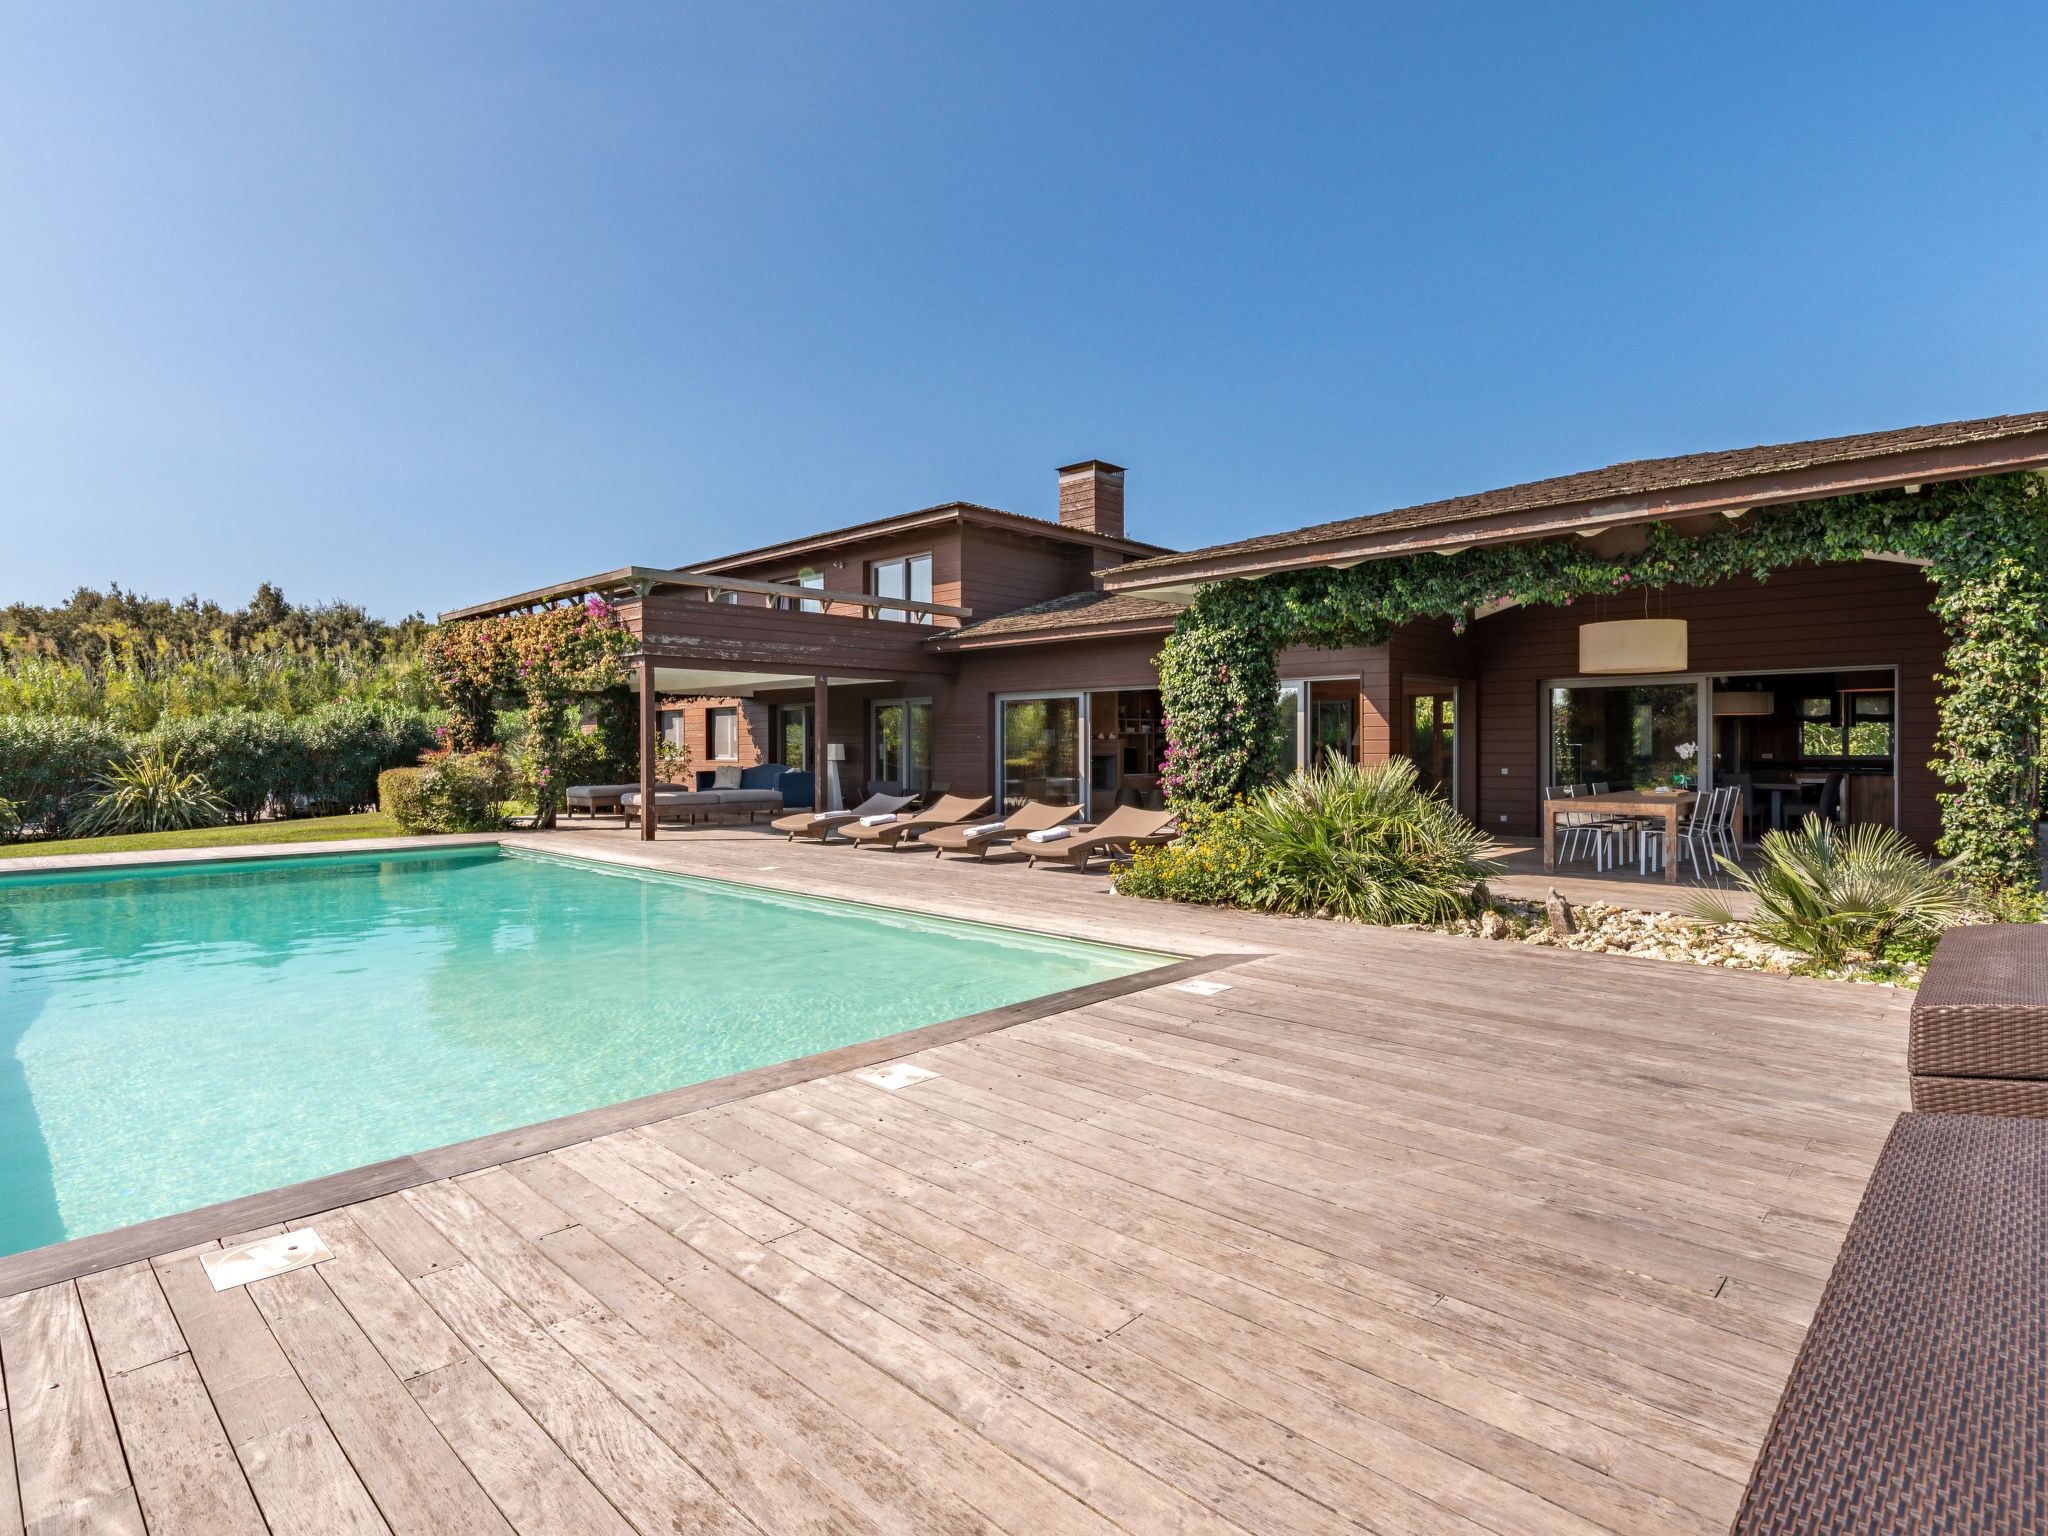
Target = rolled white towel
(878,821)
(1049,835)
(986,829)
(829,816)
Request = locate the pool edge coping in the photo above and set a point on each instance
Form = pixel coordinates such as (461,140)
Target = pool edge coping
(75,1258)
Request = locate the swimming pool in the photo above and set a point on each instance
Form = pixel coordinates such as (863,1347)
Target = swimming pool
(178,1035)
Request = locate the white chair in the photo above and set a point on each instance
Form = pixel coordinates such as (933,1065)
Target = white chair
(1712,810)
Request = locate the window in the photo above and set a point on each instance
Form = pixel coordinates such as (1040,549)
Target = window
(670,724)
(1862,727)
(900,734)
(804,578)
(910,577)
(793,735)
(723,595)
(722,728)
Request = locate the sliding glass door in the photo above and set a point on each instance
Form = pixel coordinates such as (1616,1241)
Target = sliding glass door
(1041,745)
(901,735)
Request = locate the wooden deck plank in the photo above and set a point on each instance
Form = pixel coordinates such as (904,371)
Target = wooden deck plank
(419,1484)
(186,1474)
(67,1451)
(287,1451)
(1401,1232)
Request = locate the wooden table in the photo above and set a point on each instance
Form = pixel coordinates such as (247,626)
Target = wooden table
(1632,802)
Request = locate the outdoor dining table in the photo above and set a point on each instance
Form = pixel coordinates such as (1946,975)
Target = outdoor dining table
(1628,802)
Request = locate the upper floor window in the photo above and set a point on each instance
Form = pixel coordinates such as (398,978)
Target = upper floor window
(806,577)
(909,577)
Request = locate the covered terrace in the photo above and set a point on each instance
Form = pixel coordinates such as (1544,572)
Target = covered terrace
(727,635)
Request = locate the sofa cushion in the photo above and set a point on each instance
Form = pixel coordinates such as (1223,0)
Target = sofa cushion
(748,796)
(763,776)
(727,777)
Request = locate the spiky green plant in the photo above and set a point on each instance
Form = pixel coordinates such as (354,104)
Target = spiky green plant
(150,792)
(1368,843)
(1827,891)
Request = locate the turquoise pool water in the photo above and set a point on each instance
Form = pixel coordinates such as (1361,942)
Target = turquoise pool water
(176,1037)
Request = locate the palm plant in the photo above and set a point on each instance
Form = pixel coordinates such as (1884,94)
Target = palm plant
(1365,842)
(150,792)
(1826,891)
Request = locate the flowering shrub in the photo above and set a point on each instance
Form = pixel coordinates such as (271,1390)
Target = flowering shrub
(544,659)
(1368,844)
(1985,542)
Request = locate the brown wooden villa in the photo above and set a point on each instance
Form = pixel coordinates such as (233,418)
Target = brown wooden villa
(1015,656)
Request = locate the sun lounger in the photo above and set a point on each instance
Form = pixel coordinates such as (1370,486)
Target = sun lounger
(947,811)
(1124,827)
(822,824)
(978,837)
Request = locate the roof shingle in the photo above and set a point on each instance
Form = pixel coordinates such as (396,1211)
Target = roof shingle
(1075,611)
(1635,477)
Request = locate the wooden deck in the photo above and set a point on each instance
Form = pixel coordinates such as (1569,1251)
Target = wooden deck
(1401,1233)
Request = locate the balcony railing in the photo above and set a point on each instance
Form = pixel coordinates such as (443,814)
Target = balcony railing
(639,581)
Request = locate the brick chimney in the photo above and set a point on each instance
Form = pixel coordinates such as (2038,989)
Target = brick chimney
(1092,497)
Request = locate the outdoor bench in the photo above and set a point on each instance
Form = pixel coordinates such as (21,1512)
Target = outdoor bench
(1979,1041)
(1918,1401)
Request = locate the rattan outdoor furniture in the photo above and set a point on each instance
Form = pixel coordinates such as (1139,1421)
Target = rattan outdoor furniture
(1916,1405)
(1979,1041)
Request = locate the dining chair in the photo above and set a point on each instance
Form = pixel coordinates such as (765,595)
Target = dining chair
(1695,832)
(1573,827)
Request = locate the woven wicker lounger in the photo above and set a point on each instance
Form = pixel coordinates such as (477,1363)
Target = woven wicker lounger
(1031,816)
(822,824)
(1916,1405)
(947,811)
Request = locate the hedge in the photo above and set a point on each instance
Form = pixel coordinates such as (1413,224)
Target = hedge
(257,762)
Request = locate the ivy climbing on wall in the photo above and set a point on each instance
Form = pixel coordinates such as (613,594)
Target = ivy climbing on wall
(1984,541)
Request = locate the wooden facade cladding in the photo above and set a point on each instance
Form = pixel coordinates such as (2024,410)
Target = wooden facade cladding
(686,629)
(1004,572)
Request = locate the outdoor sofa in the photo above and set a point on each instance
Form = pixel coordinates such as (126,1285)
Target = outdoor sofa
(605,799)
(1916,1403)
(946,811)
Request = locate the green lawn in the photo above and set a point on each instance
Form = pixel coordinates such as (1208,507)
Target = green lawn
(313,829)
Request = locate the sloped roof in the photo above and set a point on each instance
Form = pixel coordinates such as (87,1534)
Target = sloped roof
(1911,451)
(966,511)
(1069,617)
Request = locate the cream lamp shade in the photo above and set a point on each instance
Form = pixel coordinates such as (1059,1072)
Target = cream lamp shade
(1744,702)
(835,752)
(1617,647)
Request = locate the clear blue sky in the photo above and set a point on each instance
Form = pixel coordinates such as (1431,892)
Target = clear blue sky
(420,305)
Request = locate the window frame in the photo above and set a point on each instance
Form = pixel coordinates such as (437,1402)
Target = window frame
(712,717)
(906,564)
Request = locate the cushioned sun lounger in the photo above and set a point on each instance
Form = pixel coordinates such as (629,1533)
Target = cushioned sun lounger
(978,837)
(822,824)
(1121,828)
(947,811)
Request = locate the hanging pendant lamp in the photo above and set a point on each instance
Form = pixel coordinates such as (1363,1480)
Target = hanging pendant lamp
(1616,647)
